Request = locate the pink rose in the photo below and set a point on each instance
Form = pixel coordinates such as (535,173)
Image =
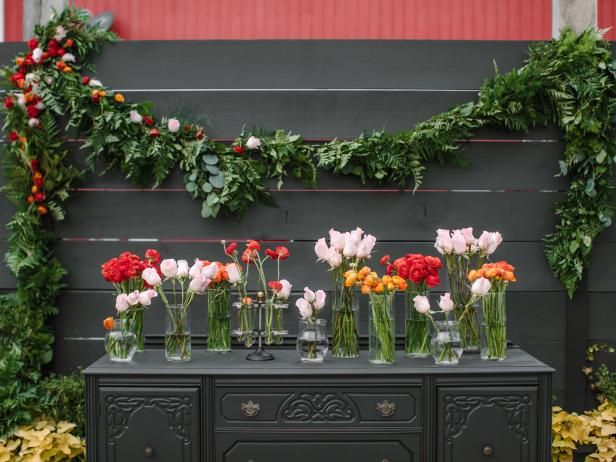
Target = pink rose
(305,308)
(319,301)
(459,242)
(169,268)
(151,277)
(320,248)
(173,125)
(121,303)
(253,142)
(336,239)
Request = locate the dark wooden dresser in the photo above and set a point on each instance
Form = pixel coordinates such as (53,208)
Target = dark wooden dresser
(224,408)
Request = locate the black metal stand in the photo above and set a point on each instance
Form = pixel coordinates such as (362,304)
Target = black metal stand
(260,354)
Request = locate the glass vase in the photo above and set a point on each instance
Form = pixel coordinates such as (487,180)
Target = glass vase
(470,325)
(345,307)
(136,321)
(219,319)
(245,319)
(381,329)
(177,334)
(121,342)
(445,343)
(416,327)
(274,322)
(494,326)
(312,340)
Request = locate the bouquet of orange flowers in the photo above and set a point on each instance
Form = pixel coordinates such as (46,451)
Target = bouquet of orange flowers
(381,290)
(491,280)
(219,305)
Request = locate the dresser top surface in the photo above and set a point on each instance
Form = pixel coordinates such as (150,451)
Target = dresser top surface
(286,362)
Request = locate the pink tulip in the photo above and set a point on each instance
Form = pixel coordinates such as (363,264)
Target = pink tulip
(366,245)
(319,301)
(133,298)
(336,239)
(459,242)
(320,248)
(234,273)
(182,268)
(443,243)
(333,258)
(121,303)
(489,241)
(169,268)
(446,303)
(468,235)
(422,304)
(305,308)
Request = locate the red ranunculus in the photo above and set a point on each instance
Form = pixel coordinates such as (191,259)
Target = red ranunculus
(13,136)
(238,149)
(17,76)
(32,43)
(416,276)
(152,256)
(384,260)
(434,262)
(275,286)
(9,102)
(432,280)
(253,245)
(390,269)
(230,249)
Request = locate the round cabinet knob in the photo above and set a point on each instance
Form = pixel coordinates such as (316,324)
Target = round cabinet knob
(149,452)
(488,451)
(385,460)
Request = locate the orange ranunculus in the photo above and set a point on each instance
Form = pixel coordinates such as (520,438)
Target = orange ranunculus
(380,288)
(364,271)
(102,93)
(391,286)
(67,69)
(350,280)
(387,280)
(472,275)
(402,285)
(108,323)
(119,97)
(365,289)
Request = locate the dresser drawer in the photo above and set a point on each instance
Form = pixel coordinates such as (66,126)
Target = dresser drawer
(341,447)
(359,406)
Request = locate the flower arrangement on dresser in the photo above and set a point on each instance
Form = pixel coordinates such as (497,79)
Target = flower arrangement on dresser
(471,318)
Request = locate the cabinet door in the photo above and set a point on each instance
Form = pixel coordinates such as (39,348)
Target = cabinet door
(149,424)
(495,424)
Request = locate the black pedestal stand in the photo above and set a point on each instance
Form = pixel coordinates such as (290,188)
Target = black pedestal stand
(260,354)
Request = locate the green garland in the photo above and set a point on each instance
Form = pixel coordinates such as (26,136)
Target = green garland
(568,82)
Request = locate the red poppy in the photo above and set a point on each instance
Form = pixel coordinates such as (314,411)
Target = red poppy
(253,245)
(384,260)
(275,286)
(230,249)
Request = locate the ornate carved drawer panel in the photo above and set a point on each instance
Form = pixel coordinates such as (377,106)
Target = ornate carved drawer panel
(496,424)
(319,406)
(318,447)
(146,424)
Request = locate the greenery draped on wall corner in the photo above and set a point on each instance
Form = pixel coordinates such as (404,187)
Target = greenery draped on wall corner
(569,82)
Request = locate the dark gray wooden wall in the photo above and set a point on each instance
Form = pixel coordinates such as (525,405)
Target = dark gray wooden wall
(326,89)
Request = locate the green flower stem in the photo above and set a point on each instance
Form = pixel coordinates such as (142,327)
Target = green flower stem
(345,340)
(219,318)
(495,325)
(417,325)
(383,343)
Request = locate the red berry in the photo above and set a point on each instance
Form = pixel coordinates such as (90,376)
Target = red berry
(32,43)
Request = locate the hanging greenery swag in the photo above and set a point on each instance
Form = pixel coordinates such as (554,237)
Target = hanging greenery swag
(569,82)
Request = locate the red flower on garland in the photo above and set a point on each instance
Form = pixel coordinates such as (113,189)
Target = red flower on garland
(9,102)
(35,164)
(148,120)
(32,43)
(13,136)
(86,79)
(154,133)
(200,134)
(238,149)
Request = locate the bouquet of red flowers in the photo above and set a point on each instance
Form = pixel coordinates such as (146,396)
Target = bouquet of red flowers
(133,294)
(422,273)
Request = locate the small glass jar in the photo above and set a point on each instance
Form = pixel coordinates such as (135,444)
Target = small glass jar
(381,329)
(445,343)
(245,320)
(494,326)
(120,341)
(312,340)
(416,327)
(219,319)
(177,334)
(274,322)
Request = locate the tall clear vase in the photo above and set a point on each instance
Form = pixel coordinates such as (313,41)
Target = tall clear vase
(136,316)
(345,307)
(219,319)
(494,327)
(381,329)
(470,325)
(416,327)
(177,334)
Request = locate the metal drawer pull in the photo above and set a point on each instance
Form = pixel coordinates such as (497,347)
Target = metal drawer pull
(386,409)
(488,451)
(149,452)
(250,409)
(385,460)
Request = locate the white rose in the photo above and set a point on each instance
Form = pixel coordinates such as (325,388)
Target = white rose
(68,57)
(182,268)
(151,277)
(33,122)
(253,142)
(283,294)
(135,117)
(169,268)
(481,286)
(60,33)
(305,308)
(95,83)
(37,54)
(446,303)
(422,304)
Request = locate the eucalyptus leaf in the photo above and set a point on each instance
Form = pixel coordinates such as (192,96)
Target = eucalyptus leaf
(206,187)
(218,181)
(213,169)
(210,159)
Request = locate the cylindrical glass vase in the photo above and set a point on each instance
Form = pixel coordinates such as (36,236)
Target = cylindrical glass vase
(274,322)
(345,307)
(219,319)
(470,324)
(177,334)
(136,321)
(494,326)
(445,342)
(416,327)
(245,321)
(120,341)
(381,329)
(312,340)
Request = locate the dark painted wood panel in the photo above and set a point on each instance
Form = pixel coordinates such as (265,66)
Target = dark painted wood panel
(601,275)
(394,215)
(314,114)
(82,258)
(306,63)
(600,317)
